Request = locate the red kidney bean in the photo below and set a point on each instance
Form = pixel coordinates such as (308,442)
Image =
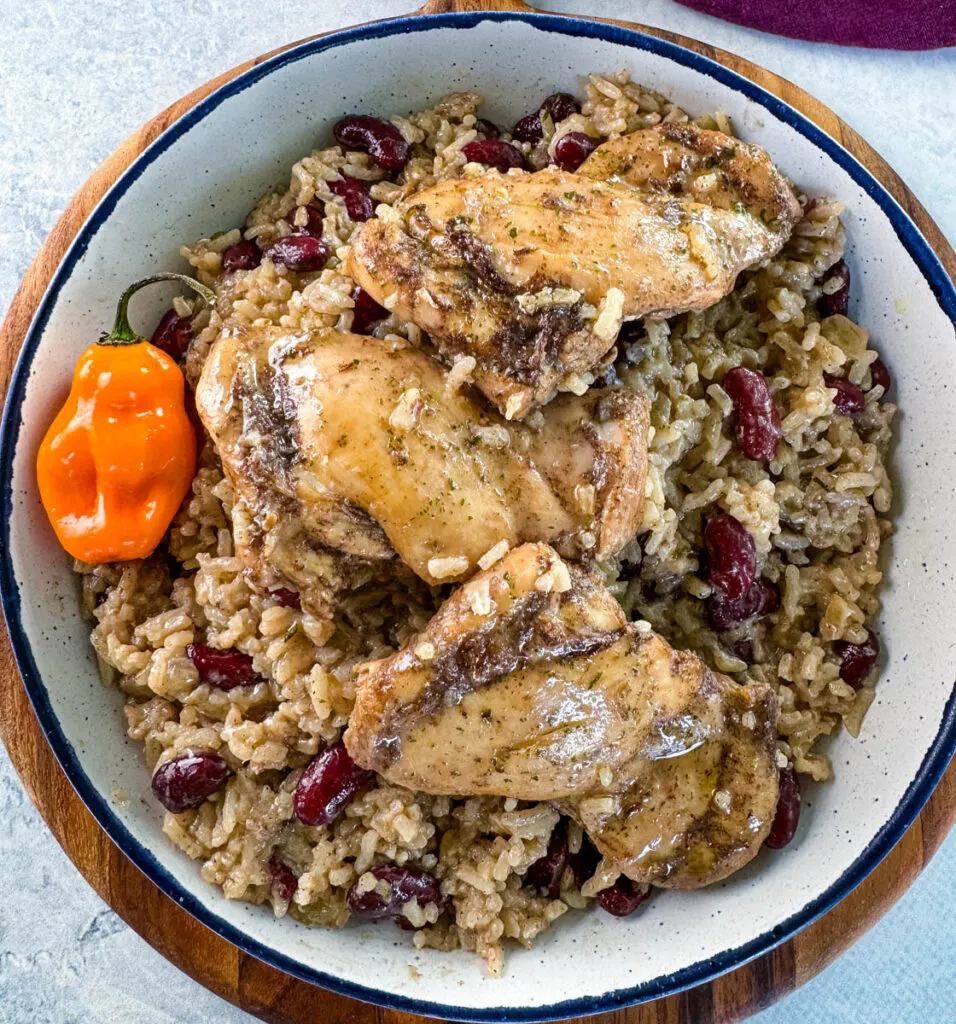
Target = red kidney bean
(329,782)
(561,105)
(585,861)
(880,375)
(839,301)
(573,149)
(173,334)
(185,781)
(744,649)
(529,129)
(406,884)
(224,669)
(787,818)
(856,660)
(758,422)
(244,255)
(487,128)
(299,252)
(358,199)
(623,897)
(731,556)
(546,872)
(366,313)
(287,598)
(383,142)
(849,398)
(494,152)
(313,225)
(558,106)
(283,880)
(724,613)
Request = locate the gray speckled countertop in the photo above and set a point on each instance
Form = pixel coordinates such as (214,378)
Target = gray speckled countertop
(80,75)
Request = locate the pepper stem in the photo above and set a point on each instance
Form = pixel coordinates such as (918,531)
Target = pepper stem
(122,333)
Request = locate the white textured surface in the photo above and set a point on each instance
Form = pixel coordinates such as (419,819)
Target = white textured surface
(78,77)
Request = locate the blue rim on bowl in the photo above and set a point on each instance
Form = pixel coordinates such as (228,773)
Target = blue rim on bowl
(919,790)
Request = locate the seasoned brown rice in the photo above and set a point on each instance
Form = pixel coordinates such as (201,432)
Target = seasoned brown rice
(817,515)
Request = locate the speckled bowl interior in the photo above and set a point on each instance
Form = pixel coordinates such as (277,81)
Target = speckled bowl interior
(202,176)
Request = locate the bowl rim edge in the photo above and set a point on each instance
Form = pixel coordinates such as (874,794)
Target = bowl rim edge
(918,791)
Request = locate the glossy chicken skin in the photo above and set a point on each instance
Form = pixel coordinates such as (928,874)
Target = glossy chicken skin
(686,819)
(529,683)
(597,440)
(532,274)
(708,167)
(497,694)
(346,450)
(288,525)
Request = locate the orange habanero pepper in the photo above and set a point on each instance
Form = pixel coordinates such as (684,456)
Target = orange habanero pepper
(121,454)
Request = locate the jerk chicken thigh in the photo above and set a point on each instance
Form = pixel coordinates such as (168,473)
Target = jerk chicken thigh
(532,274)
(351,458)
(530,683)
(705,166)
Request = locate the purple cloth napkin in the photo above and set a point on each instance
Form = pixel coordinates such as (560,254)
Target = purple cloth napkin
(886,24)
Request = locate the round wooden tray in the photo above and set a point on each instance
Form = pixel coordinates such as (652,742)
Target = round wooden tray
(267,992)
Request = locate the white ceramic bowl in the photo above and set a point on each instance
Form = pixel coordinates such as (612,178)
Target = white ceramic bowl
(202,175)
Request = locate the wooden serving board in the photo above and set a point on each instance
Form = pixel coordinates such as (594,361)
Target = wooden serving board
(272,995)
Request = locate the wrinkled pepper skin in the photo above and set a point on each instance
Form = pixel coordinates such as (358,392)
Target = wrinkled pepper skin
(120,455)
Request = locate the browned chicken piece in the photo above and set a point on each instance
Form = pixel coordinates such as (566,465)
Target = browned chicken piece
(595,448)
(708,167)
(288,526)
(688,819)
(499,693)
(345,451)
(529,683)
(532,274)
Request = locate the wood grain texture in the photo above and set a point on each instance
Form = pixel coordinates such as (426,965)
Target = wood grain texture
(272,995)
(448,6)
